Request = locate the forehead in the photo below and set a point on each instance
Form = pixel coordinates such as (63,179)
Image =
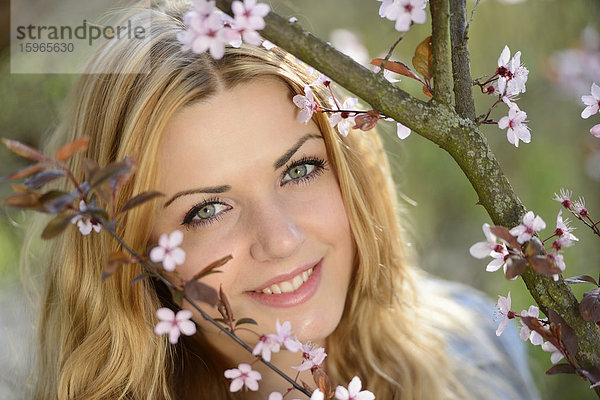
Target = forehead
(251,122)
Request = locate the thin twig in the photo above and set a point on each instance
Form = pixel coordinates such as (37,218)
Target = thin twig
(466,33)
(389,53)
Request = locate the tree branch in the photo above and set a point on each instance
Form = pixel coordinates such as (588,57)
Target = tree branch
(461,64)
(440,40)
(460,137)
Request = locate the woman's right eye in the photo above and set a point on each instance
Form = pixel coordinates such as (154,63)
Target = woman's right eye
(205,213)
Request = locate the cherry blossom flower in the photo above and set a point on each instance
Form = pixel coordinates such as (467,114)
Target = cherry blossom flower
(591,101)
(168,251)
(564,198)
(242,376)
(595,131)
(322,79)
(402,131)
(343,120)
(266,345)
(307,105)
(204,33)
(579,206)
(563,228)
(515,124)
(505,311)
(312,356)
(353,392)
(317,395)
(85,222)
(285,338)
(174,324)
(249,18)
(275,396)
(404,12)
(556,354)
(530,224)
(512,76)
(492,248)
(535,338)
(268,44)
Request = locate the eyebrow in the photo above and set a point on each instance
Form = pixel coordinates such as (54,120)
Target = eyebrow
(224,188)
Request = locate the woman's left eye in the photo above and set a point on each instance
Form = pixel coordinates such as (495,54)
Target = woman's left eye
(303,170)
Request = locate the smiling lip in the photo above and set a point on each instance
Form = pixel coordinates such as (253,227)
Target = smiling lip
(290,299)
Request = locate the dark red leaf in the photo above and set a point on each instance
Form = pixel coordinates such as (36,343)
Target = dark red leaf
(592,373)
(23,172)
(568,336)
(243,321)
(55,201)
(367,121)
(140,199)
(201,292)
(27,200)
(206,270)
(427,91)
(110,171)
(90,167)
(589,308)
(115,261)
(561,369)
(534,247)
(544,265)
(397,67)
(57,225)
(504,234)
(323,382)
(42,178)
(24,151)
(224,306)
(581,279)
(69,149)
(515,266)
(423,58)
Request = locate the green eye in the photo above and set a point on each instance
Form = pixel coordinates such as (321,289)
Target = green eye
(206,212)
(298,172)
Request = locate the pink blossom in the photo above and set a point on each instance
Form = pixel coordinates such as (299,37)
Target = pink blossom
(492,248)
(173,324)
(505,311)
(530,224)
(579,206)
(595,131)
(275,396)
(249,18)
(268,45)
(284,336)
(556,354)
(404,12)
(535,338)
(204,33)
(343,120)
(353,392)
(563,228)
(559,261)
(591,101)
(564,198)
(512,76)
(402,131)
(516,126)
(85,222)
(242,376)
(266,345)
(307,105)
(317,395)
(168,251)
(312,356)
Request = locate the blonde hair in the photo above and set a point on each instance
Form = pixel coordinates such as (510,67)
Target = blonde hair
(96,339)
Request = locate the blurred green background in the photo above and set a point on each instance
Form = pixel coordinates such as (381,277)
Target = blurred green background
(442,216)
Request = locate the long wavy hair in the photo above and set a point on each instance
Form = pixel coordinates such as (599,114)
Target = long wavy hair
(96,339)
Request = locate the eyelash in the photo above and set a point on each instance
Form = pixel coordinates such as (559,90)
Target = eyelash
(319,164)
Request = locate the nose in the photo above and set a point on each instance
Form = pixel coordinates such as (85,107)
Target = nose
(276,234)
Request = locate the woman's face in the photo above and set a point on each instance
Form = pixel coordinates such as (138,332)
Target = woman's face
(243,177)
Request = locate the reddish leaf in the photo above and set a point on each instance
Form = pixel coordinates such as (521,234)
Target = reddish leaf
(323,382)
(581,279)
(42,178)
(27,200)
(201,292)
(90,167)
(592,373)
(589,308)
(118,180)
(115,261)
(397,67)
(55,201)
(561,369)
(504,234)
(57,225)
(22,173)
(567,334)
(544,265)
(224,307)
(423,58)
(534,247)
(19,188)
(515,266)
(206,270)
(426,91)
(69,149)
(140,199)
(367,121)
(24,151)
(110,171)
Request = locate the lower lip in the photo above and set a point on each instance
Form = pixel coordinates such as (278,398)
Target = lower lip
(297,297)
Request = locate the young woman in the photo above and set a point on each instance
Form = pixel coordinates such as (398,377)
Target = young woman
(302,210)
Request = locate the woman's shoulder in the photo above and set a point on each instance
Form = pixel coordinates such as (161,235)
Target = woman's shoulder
(488,365)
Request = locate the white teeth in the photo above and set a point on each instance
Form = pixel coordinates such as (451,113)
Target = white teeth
(288,286)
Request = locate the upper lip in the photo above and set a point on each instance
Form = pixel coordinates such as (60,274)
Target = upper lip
(286,277)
